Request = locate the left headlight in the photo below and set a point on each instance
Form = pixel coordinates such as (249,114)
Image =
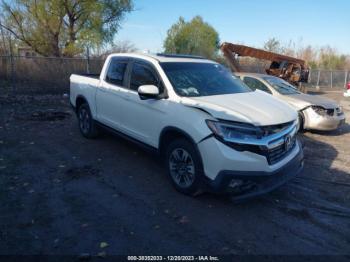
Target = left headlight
(234,130)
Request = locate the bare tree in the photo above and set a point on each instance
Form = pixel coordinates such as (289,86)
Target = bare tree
(119,47)
(273,45)
(325,57)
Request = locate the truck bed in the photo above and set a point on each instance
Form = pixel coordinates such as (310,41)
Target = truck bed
(84,85)
(95,76)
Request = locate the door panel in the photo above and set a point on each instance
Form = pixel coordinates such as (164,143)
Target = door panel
(143,119)
(111,94)
(109,99)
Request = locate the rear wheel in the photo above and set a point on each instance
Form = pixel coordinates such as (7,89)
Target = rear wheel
(87,124)
(184,167)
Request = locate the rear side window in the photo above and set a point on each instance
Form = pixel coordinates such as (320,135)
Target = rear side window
(256,84)
(142,75)
(116,72)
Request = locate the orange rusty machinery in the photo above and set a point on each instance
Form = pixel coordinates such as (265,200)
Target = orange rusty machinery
(289,68)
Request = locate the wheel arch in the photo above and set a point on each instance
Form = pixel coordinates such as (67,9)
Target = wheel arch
(170,133)
(79,101)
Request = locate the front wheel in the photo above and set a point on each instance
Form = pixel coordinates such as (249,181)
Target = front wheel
(87,124)
(184,167)
(301,122)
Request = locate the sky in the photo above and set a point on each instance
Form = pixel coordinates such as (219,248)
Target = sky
(250,22)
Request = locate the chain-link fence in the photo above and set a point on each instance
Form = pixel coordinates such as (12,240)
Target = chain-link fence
(51,74)
(43,74)
(333,79)
(318,78)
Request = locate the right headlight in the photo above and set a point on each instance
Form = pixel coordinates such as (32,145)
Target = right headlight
(319,110)
(231,131)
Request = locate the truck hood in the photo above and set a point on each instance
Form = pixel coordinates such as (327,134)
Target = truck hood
(300,101)
(256,108)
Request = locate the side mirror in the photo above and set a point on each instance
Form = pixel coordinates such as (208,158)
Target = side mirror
(148,92)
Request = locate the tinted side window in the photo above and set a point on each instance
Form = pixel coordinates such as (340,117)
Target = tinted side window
(116,71)
(142,75)
(256,84)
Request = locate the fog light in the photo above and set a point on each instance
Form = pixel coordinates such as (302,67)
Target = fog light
(234,183)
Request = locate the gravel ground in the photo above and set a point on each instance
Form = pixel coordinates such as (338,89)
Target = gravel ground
(63,194)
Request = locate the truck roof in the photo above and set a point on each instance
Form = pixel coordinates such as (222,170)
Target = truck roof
(166,57)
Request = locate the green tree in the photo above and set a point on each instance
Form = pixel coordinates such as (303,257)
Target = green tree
(63,27)
(195,37)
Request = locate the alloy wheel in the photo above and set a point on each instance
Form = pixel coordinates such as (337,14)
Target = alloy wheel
(181,167)
(84,120)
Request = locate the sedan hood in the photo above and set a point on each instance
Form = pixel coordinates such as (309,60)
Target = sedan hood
(300,101)
(256,108)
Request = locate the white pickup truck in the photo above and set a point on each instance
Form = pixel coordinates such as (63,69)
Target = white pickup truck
(212,132)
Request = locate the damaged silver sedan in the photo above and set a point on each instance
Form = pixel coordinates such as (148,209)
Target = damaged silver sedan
(315,112)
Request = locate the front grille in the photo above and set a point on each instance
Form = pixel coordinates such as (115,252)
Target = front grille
(334,112)
(267,145)
(330,112)
(277,153)
(269,130)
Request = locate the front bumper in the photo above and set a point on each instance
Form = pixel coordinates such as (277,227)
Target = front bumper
(255,183)
(221,164)
(313,121)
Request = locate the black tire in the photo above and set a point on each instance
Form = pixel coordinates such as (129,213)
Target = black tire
(301,122)
(87,125)
(187,177)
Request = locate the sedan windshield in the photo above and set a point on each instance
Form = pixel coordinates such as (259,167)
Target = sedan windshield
(281,86)
(202,79)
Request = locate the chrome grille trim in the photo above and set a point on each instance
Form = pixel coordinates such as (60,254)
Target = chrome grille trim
(274,147)
(268,142)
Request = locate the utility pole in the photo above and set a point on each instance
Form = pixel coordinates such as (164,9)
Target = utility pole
(331,79)
(318,80)
(346,78)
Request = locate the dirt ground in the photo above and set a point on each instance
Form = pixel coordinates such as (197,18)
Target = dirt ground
(63,194)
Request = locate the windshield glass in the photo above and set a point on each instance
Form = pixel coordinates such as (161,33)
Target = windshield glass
(281,86)
(202,79)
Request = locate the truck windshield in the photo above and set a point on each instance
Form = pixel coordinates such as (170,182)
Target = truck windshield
(281,86)
(202,79)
